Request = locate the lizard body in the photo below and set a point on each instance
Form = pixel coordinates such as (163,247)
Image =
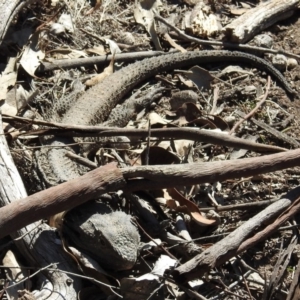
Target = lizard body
(93,106)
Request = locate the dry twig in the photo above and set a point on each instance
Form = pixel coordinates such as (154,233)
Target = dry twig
(254,110)
(226,45)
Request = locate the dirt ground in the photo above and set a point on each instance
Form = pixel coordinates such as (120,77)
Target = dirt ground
(267,269)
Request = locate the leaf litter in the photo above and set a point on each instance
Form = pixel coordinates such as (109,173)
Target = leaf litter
(199,206)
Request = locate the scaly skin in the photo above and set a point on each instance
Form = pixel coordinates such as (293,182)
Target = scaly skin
(108,236)
(94,105)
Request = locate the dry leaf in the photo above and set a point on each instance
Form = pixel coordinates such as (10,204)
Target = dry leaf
(203,122)
(191,2)
(156,119)
(92,269)
(171,203)
(143,13)
(14,273)
(96,7)
(57,220)
(98,50)
(163,263)
(147,284)
(8,77)
(32,55)
(159,156)
(187,83)
(238,11)
(218,122)
(183,147)
(164,144)
(21,97)
(113,46)
(235,69)
(245,5)
(56,28)
(192,208)
(173,43)
(66,21)
(9,107)
(65,53)
(106,72)
(188,113)
(242,152)
(256,282)
(200,77)
(54,2)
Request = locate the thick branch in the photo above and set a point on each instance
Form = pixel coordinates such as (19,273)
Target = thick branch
(255,20)
(37,241)
(189,174)
(236,241)
(109,178)
(59,198)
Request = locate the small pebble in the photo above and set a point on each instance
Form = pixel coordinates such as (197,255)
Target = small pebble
(249,90)
(292,63)
(263,40)
(280,62)
(126,38)
(230,120)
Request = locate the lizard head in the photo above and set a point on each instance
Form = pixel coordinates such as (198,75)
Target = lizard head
(109,237)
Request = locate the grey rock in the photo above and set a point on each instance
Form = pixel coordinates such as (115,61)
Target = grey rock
(280,62)
(263,40)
